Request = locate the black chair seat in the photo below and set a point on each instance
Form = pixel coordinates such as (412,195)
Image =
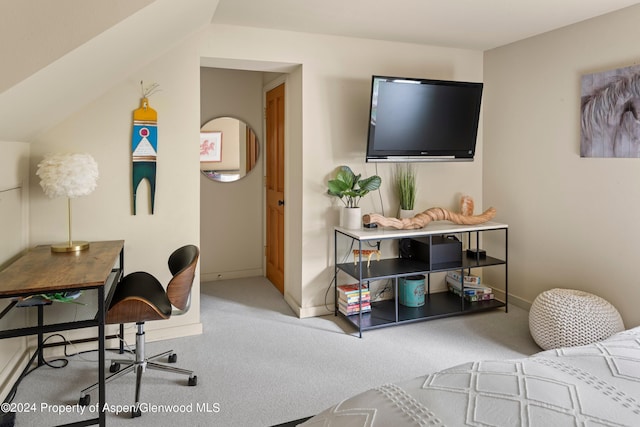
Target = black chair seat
(144,288)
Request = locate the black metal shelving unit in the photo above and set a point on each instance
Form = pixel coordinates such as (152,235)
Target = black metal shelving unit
(437,305)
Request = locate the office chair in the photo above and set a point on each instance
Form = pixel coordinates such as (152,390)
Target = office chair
(140,297)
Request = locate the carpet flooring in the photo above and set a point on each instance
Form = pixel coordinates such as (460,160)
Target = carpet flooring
(260,365)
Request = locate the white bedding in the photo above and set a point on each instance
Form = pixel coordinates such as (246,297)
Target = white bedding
(592,385)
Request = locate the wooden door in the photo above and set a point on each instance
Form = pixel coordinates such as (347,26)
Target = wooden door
(275,187)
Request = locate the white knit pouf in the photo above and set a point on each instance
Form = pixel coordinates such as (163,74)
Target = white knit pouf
(567,318)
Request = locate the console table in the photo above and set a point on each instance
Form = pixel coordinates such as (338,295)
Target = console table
(437,305)
(40,271)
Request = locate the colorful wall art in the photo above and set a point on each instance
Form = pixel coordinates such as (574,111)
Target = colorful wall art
(144,149)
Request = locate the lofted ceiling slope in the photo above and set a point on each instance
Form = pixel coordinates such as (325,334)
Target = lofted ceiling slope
(88,68)
(466,24)
(66,53)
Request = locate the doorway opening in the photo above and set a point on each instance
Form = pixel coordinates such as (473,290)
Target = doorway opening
(234,225)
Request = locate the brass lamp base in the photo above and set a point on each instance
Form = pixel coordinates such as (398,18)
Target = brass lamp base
(76,246)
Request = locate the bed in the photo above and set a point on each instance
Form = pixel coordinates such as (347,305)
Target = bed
(592,385)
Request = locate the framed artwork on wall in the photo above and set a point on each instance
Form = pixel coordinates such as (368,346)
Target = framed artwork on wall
(610,108)
(210,146)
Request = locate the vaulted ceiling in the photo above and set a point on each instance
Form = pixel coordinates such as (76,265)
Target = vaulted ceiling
(468,24)
(90,45)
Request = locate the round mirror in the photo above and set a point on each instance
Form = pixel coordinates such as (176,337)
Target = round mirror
(228,149)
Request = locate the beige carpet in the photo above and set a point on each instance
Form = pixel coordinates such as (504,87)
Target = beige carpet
(259,365)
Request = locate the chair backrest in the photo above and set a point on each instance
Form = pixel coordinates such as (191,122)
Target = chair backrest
(182,264)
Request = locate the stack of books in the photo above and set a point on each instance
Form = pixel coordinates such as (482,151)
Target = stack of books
(350,300)
(473,289)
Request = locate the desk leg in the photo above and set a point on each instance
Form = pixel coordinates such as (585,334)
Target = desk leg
(101,358)
(40,350)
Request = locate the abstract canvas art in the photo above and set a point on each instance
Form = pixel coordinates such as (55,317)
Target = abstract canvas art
(610,103)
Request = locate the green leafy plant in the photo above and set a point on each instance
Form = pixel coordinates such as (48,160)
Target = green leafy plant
(350,188)
(405,178)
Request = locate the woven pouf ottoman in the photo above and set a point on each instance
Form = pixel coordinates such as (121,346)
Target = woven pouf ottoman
(567,318)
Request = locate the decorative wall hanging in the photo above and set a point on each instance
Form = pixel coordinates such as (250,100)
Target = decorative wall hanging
(610,104)
(144,145)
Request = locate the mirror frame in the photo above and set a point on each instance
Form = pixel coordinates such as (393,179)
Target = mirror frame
(215,135)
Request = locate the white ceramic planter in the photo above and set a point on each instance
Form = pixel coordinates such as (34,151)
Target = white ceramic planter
(406,213)
(351,218)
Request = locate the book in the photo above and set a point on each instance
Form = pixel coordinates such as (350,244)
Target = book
(351,289)
(469,279)
(349,309)
(472,289)
(354,306)
(352,299)
(472,297)
(351,292)
(355,299)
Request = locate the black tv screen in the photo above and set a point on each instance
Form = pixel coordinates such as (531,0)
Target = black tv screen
(415,120)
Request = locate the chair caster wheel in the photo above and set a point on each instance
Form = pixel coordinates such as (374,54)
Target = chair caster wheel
(173,358)
(135,414)
(85,400)
(193,380)
(115,367)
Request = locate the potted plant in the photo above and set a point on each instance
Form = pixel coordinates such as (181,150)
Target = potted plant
(350,188)
(405,181)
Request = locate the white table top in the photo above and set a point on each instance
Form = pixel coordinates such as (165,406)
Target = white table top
(436,227)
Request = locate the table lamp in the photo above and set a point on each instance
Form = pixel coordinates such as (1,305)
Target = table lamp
(70,175)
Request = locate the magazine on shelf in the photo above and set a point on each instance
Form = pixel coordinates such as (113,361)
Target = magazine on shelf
(469,279)
(469,289)
(472,297)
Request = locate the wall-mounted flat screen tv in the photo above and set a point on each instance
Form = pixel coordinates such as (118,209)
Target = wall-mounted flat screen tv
(413,120)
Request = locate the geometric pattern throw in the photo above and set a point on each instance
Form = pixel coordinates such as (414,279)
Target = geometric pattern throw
(591,385)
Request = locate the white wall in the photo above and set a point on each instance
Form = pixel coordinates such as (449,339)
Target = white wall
(327,107)
(573,220)
(103,129)
(328,85)
(331,131)
(14,240)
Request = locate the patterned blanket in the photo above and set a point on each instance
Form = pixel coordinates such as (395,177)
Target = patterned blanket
(592,385)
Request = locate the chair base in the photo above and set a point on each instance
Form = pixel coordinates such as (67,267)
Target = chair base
(139,365)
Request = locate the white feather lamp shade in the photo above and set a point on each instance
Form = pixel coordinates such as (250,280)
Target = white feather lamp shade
(70,175)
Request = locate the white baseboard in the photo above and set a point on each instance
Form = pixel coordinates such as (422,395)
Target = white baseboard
(12,372)
(152,335)
(292,303)
(303,312)
(223,275)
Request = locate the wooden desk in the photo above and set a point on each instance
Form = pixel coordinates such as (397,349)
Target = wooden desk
(41,271)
